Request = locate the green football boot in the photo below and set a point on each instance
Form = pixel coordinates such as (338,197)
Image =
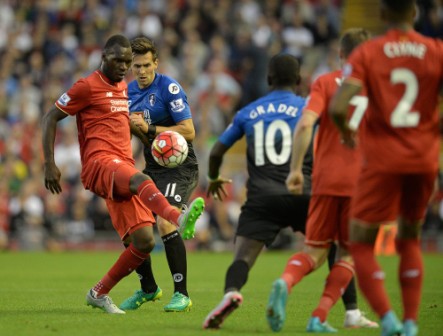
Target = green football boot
(189,216)
(135,301)
(178,303)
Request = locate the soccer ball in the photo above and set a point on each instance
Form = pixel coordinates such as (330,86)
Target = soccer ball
(169,149)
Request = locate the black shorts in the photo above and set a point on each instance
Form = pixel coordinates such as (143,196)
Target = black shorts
(262,218)
(176,184)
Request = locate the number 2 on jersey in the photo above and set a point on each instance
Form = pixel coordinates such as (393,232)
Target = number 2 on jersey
(402,116)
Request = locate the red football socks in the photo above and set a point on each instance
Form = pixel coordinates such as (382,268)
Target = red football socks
(370,277)
(128,261)
(297,267)
(154,200)
(336,283)
(410,276)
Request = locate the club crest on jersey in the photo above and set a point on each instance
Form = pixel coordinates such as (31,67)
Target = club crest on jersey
(173,88)
(177,105)
(152,99)
(64,99)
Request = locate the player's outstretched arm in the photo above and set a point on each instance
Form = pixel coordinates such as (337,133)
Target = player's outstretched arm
(49,127)
(215,181)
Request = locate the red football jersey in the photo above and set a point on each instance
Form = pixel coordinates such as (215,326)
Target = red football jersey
(102,113)
(336,166)
(402,72)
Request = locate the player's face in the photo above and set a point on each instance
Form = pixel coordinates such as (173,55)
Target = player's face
(116,63)
(143,69)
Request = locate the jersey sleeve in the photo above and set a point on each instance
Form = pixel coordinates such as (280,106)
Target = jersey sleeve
(354,70)
(316,101)
(75,99)
(233,132)
(176,101)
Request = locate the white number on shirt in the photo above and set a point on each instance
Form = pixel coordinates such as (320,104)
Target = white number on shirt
(264,144)
(360,103)
(402,116)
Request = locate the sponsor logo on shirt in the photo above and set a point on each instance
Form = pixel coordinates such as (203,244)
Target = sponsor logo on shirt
(108,94)
(152,99)
(177,105)
(64,99)
(173,88)
(119,105)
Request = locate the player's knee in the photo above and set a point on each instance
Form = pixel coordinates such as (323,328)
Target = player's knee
(136,180)
(317,254)
(409,230)
(145,244)
(343,254)
(361,232)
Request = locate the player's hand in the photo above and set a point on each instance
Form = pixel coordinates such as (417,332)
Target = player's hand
(138,120)
(216,188)
(52,178)
(294,182)
(348,138)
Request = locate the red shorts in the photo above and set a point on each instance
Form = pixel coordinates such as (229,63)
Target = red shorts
(129,215)
(328,220)
(382,197)
(109,178)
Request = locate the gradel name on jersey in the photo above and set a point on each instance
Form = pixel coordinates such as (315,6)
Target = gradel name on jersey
(271,108)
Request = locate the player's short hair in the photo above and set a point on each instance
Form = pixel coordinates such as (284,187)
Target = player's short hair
(142,45)
(283,69)
(119,40)
(399,6)
(351,38)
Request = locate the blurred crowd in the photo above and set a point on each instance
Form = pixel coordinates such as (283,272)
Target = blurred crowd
(217,49)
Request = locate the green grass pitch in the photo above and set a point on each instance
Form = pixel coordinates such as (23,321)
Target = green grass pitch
(44,294)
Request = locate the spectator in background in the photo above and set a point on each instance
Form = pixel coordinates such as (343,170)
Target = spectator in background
(297,37)
(4,213)
(218,94)
(67,154)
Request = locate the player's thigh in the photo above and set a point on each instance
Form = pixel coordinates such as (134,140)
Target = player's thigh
(129,215)
(417,190)
(262,218)
(109,177)
(377,197)
(176,184)
(324,221)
